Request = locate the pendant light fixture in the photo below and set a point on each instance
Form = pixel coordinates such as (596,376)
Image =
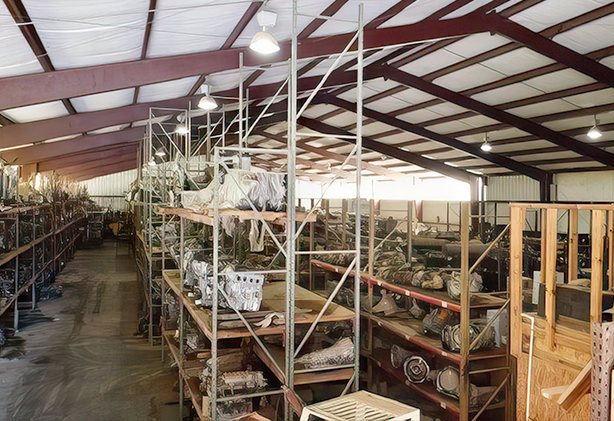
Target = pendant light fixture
(263,42)
(181,129)
(160,152)
(486,147)
(594,133)
(207,102)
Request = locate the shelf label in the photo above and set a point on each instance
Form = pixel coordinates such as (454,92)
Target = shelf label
(444,304)
(444,354)
(379,284)
(407,293)
(407,337)
(443,405)
(407,382)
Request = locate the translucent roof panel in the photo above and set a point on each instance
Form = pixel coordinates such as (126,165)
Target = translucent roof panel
(19,59)
(78,34)
(589,37)
(166,90)
(36,112)
(189,26)
(103,101)
(550,12)
(349,12)
(417,11)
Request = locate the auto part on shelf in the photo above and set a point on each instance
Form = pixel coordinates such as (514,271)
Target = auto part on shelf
(416,369)
(340,353)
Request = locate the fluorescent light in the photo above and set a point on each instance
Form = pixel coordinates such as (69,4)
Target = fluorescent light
(181,129)
(264,43)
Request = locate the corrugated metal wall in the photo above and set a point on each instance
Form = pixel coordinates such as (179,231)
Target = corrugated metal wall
(512,188)
(109,191)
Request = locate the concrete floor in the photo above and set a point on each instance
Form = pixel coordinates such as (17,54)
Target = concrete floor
(76,358)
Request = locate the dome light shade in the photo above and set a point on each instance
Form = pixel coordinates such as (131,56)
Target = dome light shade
(486,147)
(181,129)
(264,43)
(594,133)
(207,103)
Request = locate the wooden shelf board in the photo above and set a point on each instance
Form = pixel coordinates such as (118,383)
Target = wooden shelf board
(193,383)
(438,298)
(274,299)
(278,218)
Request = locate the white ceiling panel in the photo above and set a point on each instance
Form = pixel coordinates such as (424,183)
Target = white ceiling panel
(447,109)
(190,26)
(562,79)
(36,112)
(325,66)
(450,127)
(273,74)
(468,77)
(590,99)
(19,58)
(476,44)
(78,34)
(571,123)
(224,81)
(536,144)
(550,12)
(349,11)
(543,108)
(468,8)
(431,62)
(507,94)
(103,101)
(418,116)
(517,61)
(417,11)
(589,37)
(388,104)
(546,156)
(166,90)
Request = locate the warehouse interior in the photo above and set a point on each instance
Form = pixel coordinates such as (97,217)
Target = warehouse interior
(212,207)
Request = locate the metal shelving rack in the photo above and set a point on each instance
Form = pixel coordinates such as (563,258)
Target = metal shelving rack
(48,249)
(282,366)
(495,362)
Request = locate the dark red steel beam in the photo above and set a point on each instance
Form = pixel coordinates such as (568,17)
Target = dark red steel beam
(44,151)
(474,150)
(555,51)
(36,88)
(391,151)
(91,157)
(502,116)
(20,134)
